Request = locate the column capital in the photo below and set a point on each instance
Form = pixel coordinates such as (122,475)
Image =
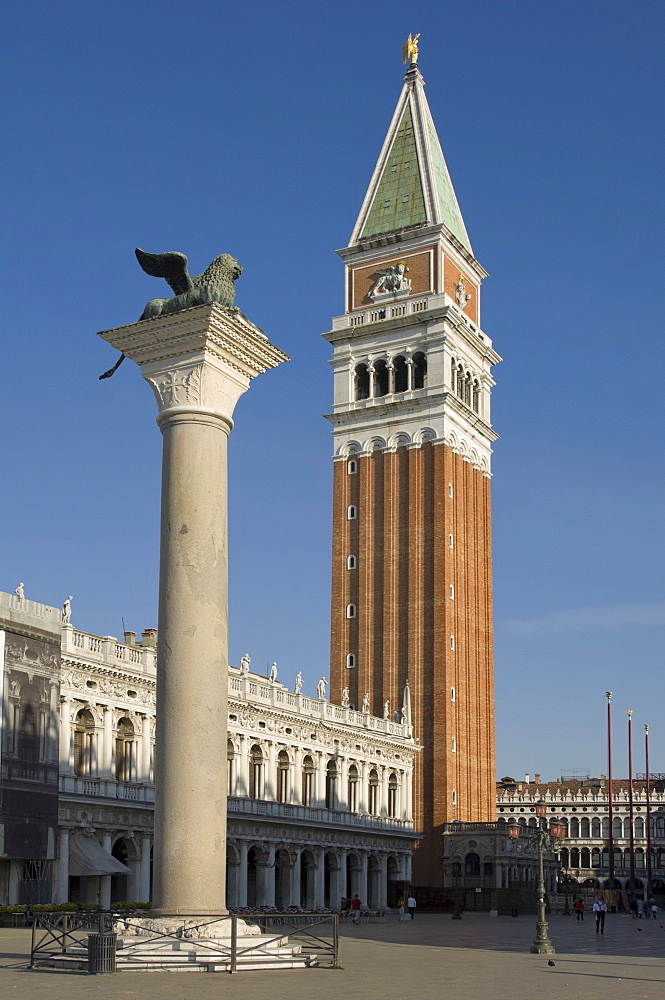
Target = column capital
(197,361)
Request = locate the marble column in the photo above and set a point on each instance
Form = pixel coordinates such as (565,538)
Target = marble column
(295,880)
(198,363)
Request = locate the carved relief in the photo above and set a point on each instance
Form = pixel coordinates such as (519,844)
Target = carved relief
(198,385)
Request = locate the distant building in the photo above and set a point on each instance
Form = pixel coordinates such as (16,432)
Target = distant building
(582,805)
(320,800)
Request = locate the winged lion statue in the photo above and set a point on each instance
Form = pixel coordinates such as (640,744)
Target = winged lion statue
(215,284)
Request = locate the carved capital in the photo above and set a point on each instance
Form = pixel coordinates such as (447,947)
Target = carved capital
(200,359)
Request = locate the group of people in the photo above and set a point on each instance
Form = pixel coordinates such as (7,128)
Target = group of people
(599,911)
(638,909)
(354,906)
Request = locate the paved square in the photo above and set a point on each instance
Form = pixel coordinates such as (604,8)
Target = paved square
(430,957)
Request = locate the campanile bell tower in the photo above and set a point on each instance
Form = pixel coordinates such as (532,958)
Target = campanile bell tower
(411,561)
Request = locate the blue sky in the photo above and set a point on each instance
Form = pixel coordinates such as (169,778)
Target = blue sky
(213,127)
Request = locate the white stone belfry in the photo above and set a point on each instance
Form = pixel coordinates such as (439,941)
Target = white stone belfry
(198,363)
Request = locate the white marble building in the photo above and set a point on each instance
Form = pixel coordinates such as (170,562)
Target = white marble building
(319,795)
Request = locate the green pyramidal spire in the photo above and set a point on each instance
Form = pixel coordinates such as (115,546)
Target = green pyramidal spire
(411,184)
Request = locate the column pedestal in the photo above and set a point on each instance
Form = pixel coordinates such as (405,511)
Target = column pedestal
(198,363)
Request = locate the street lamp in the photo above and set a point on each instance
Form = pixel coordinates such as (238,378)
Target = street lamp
(547,840)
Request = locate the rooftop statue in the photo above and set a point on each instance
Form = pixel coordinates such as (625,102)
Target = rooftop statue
(215,284)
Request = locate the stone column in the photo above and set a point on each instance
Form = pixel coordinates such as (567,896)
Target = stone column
(62,883)
(144,772)
(296,784)
(270,777)
(321,781)
(362,877)
(52,731)
(242,785)
(295,880)
(65,736)
(319,876)
(198,363)
(144,877)
(107,752)
(105,880)
(242,875)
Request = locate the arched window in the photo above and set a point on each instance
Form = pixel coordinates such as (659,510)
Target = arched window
(460,379)
(125,751)
(83,748)
(393,795)
(350,661)
(639,828)
(453,745)
(595,857)
(283,767)
(452,642)
(308,773)
(574,857)
(452,592)
(639,857)
(353,788)
(476,396)
(351,562)
(574,828)
(350,611)
(419,370)
(585,858)
(400,374)
(381,379)
(331,785)
(564,821)
(595,827)
(256,772)
(617,827)
(626,826)
(451,542)
(472,865)
(352,467)
(453,695)
(606,827)
(352,512)
(373,797)
(362,382)
(230,767)
(584,827)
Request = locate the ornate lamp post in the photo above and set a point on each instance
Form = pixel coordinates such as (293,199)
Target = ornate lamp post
(548,839)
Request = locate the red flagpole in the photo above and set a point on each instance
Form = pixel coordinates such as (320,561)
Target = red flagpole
(629,713)
(610,844)
(648,819)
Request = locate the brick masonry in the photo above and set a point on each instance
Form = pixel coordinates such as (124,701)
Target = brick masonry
(406,618)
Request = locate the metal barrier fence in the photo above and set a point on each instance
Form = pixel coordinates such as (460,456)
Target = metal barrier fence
(314,936)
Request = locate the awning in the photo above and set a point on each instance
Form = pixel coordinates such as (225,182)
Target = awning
(88,858)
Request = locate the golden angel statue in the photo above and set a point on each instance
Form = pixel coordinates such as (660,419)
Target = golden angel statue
(410,50)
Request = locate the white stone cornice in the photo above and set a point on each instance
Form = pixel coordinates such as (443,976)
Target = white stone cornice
(197,360)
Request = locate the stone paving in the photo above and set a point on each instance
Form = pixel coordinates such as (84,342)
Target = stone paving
(433,956)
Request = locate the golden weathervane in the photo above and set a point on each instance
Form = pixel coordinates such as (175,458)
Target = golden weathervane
(410,50)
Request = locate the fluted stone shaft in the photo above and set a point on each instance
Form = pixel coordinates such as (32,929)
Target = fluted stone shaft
(198,363)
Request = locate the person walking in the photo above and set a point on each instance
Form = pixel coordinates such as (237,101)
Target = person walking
(640,909)
(633,908)
(579,910)
(400,903)
(411,903)
(654,908)
(600,909)
(356,907)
